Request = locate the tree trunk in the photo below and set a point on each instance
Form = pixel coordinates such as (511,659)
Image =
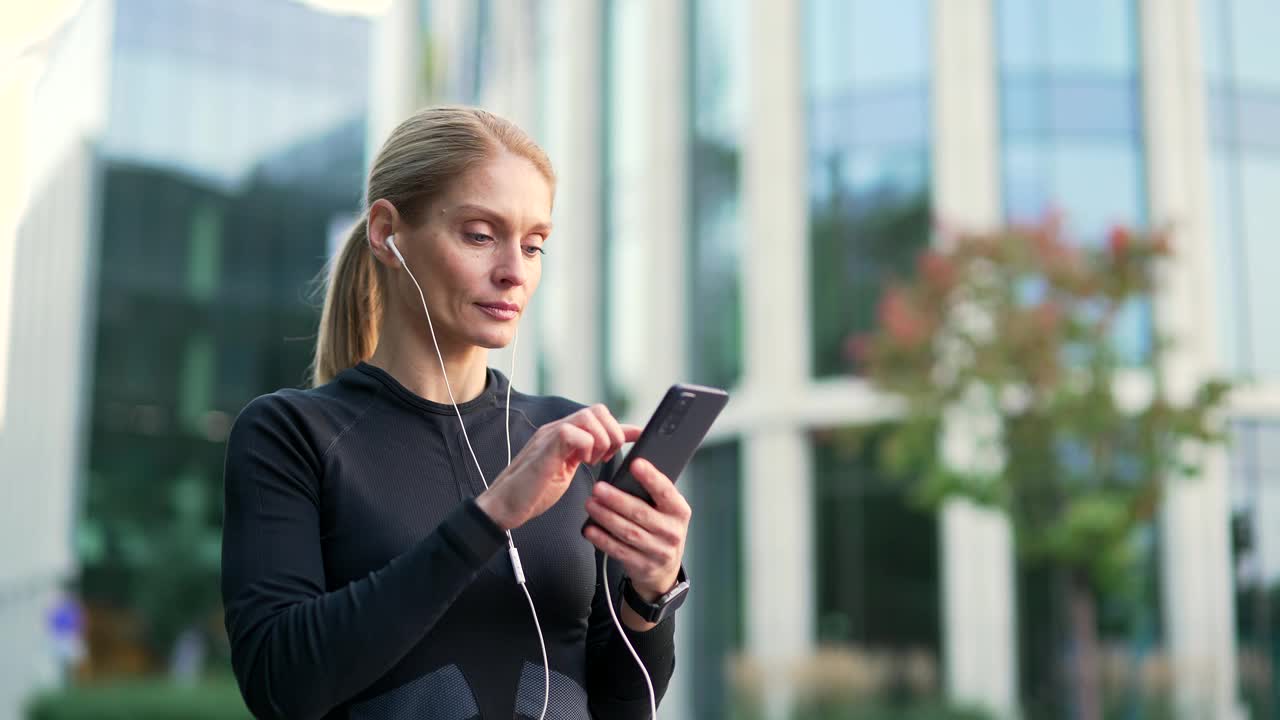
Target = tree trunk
(1085,674)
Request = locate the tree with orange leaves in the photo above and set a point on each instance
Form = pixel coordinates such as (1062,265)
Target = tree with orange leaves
(1019,326)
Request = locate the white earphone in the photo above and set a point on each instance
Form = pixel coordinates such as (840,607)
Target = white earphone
(391,242)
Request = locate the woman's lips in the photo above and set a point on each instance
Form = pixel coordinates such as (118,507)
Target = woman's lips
(500,311)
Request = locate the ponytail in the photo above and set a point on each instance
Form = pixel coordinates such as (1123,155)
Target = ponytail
(352,308)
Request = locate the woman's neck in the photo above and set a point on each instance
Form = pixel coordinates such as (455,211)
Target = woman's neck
(413,363)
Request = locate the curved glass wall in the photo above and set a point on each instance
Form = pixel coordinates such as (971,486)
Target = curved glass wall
(1072,145)
(1242,72)
(878,571)
(234,146)
(1071,124)
(1255,520)
(718,107)
(713,486)
(1242,68)
(867,94)
(867,97)
(623,248)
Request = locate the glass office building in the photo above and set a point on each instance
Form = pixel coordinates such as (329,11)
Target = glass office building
(232,150)
(737,181)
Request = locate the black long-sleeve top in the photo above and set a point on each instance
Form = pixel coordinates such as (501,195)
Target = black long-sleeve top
(360,579)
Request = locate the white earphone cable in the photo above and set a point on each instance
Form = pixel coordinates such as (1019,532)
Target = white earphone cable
(608,596)
(511,543)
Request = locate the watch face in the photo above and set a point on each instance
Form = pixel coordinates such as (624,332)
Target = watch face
(656,611)
(676,592)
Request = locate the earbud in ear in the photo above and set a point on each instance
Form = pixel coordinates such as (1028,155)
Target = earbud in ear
(391,243)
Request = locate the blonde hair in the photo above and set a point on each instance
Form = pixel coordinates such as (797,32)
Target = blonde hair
(416,165)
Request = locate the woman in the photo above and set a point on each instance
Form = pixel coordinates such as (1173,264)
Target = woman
(365,518)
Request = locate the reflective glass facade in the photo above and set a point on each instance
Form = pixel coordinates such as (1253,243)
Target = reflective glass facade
(713,485)
(1242,69)
(719,83)
(1071,123)
(626,257)
(1255,517)
(877,555)
(867,99)
(1242,76)
(1071,131)
(234,148)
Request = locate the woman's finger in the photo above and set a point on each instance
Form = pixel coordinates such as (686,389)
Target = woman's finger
(574,442)
(664,493)
(614,548)
(639,513)
(587,420)
(625,530)
(616,437)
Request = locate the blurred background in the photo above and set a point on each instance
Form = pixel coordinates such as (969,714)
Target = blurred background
(738,180)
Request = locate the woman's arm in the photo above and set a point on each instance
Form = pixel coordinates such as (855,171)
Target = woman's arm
(615,687)
(297,650)
(647,542)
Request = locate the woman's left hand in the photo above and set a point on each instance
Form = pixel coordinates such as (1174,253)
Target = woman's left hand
(647,539)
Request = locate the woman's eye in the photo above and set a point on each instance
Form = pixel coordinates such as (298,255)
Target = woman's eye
(479,238)
(533,250)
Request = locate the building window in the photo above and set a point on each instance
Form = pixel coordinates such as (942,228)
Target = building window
(1072,145)
(213,220)
(714,491)
(1071,124)
(718,105)
(1255,515)
(877,559)
(1242,68)
(867,94)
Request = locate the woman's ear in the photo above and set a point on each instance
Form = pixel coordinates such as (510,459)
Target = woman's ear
(383,222)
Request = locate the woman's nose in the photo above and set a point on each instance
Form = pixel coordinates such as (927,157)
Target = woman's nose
(511,269)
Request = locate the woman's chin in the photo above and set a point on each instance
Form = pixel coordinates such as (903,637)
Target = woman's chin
(493,340)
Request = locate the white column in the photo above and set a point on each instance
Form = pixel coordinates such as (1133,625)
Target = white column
(1198,583)
(571,292)
(394,83)
(666,295)
(978,588)
(779,561)
(48,302)
(511,91)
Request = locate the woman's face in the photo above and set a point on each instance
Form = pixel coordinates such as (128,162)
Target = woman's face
(478,253)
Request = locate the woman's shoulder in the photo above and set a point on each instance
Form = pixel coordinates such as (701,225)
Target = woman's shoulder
(315,413)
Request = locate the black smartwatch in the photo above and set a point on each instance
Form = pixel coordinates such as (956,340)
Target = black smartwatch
(664,606)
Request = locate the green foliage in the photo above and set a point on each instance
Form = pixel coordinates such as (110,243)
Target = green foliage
(1011,337)
(152,700)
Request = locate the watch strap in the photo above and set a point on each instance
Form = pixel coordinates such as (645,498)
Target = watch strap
(664,606)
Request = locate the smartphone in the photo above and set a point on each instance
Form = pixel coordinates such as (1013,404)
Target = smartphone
(673,433)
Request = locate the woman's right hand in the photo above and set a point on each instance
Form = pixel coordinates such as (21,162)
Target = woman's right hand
(540,474)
